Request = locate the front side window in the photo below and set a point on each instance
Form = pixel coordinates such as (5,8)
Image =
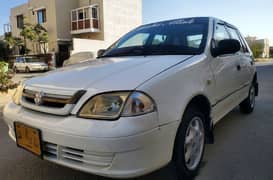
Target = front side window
(20,21)
(31,60)
(41,14)
(234,35)
(177,37)
(220,34)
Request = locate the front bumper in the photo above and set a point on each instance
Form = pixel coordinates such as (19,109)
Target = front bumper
(129,147)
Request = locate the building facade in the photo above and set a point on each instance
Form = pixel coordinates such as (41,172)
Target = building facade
(263,42)
(77,25)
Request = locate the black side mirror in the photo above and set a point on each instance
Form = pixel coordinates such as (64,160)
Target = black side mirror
(101,52)
(227,46)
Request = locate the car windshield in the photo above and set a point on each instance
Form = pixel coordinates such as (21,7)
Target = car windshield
(183,36)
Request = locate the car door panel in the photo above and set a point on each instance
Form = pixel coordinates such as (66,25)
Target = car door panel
(227,75)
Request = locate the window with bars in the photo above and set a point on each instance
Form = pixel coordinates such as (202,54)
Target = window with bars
(20,21)
(41,15)
(85,18)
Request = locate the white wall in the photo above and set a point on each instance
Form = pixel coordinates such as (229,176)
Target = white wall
(119,17)
(83,45)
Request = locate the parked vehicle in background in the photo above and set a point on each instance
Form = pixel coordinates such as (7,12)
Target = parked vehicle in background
(152,98)
(79,58)
(29,64)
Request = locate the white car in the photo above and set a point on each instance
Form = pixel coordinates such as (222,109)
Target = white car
(150,99)
(28,64)
(79,57)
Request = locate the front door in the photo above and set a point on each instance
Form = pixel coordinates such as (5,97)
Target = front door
(226,71)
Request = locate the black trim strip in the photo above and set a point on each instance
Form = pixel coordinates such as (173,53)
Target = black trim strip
(230,94)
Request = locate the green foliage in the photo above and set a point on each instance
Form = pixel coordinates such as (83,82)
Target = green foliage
(41,36)
(28,32)
(4,51)
(257,49)
(13,42)
(4,80)
(35,33)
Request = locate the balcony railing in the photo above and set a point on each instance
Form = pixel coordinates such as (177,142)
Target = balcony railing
(85,19)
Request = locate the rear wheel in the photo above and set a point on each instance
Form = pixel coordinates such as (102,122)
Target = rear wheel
(248,105)
(190,144)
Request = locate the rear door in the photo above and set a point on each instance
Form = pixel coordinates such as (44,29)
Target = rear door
(245,61)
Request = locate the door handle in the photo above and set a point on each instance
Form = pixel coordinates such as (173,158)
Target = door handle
(238,67)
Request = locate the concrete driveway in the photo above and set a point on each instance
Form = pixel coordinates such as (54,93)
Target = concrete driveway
(243,149)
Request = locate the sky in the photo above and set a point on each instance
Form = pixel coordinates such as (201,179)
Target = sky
(252,17)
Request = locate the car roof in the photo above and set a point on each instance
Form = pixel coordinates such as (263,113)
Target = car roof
(198,19)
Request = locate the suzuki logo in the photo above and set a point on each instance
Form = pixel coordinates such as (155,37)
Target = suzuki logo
(38,99)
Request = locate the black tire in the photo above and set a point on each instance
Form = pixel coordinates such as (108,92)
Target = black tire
(27,70)
(179,156)
(15,70)
(248,105)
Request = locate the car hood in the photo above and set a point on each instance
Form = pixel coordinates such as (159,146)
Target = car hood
(107,74)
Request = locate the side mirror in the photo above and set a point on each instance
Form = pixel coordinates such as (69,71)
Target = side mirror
(101,52)
(227,46)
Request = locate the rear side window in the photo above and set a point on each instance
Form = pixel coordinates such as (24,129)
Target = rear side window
(220,34)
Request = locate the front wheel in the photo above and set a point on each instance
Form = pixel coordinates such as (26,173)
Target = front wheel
(190,144)
(247,106)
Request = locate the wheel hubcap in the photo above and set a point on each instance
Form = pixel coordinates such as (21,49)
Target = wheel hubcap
(194,143)
(252,97)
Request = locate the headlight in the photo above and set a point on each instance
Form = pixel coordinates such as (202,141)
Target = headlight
(104,106)
(112,105)
(138,104)
(18,94)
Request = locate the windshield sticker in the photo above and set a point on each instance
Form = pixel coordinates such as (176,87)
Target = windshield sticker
(151,26)
(182,21)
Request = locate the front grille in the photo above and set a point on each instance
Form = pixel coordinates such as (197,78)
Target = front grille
(49,100)
(50,103)
(45,103)
(77,156)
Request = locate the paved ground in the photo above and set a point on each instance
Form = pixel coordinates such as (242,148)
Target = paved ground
(243,148)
